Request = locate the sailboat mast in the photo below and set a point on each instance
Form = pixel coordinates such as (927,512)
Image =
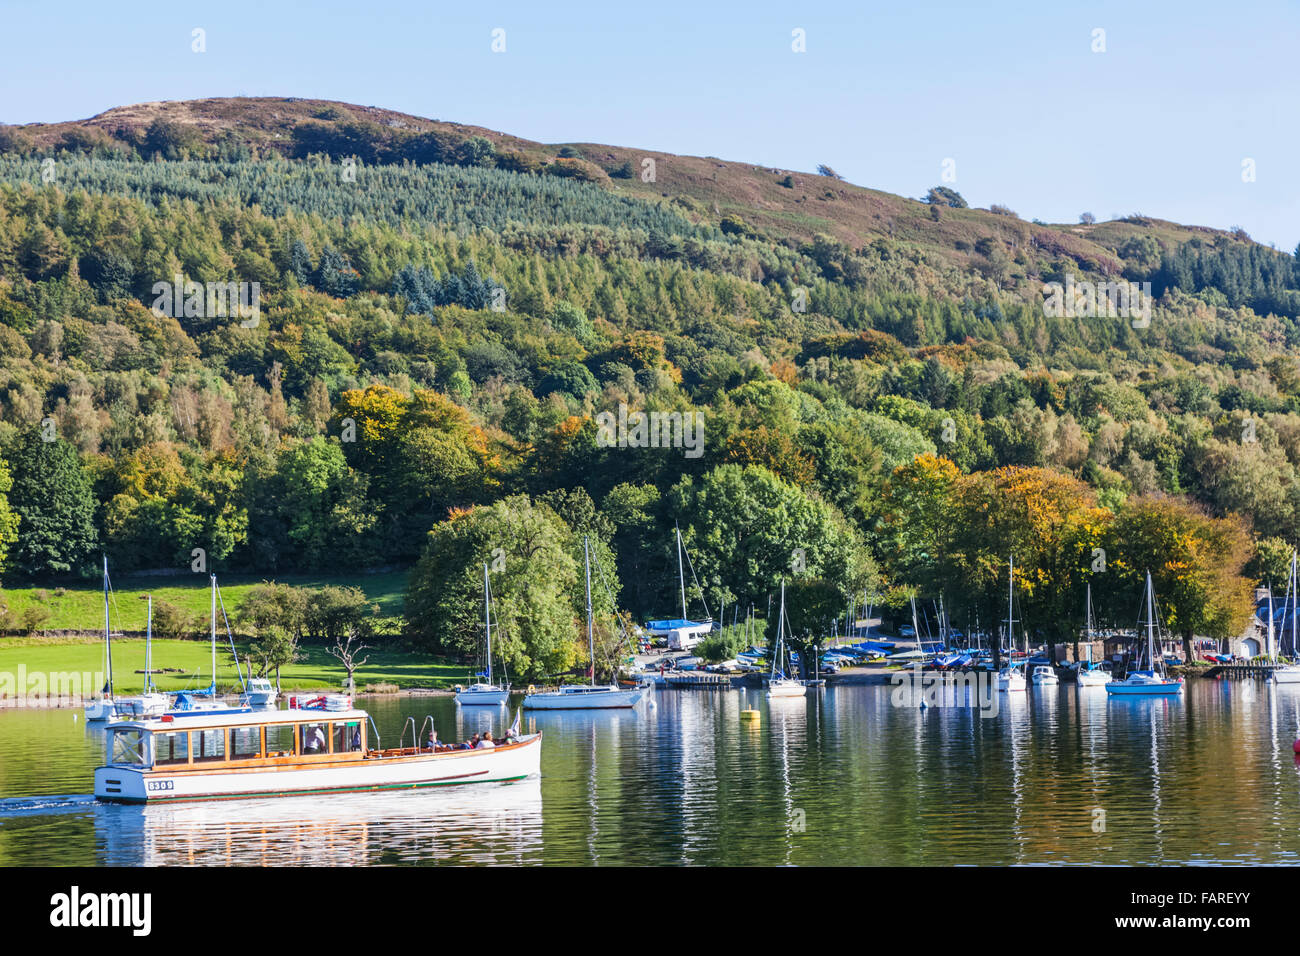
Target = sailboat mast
(1295,593)
(1151,625)
(108,641)
(681,577)
(214,634)
(1268,650)
(487,623)
(1011,595)
(148,646)
(780,624)
(591,640)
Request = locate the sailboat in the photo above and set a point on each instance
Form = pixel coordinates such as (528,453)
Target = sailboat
(102,707)
(782,686)
(580,696)
(1087,675)
(682,633)
(150,703)
(1011,678)
(1289,673)
(207,701)
(1153,680)
(485,694)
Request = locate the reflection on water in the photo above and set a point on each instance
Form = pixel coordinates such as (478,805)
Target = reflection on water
(841,777)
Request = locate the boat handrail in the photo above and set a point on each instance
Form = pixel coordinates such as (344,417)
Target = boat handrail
(415,740)
(428,719)
(375,729)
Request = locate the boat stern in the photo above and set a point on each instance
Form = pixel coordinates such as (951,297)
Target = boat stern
(120,785)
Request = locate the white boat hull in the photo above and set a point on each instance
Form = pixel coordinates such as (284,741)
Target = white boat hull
(1010,683)
(1092,678)
(786,689)
(117,784)
(141,707)
(602,698)
(1286,674)
(482,696)
(101,708)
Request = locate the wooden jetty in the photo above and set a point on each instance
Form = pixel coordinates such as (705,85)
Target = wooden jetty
(1239,670)
(695,679)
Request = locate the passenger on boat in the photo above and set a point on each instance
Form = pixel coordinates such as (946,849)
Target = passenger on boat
(471,743)
(433,740)
(314,739)
(486,742)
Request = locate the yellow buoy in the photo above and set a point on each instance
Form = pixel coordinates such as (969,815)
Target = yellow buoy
(749,715)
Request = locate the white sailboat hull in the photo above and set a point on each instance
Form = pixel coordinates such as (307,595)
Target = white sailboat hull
(141,706)
(1286,674)
(118,784)
(101,708)
(786,688)
(1092,678)
(482,695)
(1010,683)
(586,698)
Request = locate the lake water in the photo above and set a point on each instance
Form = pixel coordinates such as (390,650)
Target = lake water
(842,777)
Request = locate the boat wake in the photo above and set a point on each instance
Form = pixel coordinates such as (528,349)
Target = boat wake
(41,806)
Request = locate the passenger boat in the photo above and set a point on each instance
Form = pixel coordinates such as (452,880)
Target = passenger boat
(581,696)
(1152,681)
(485,694)
(286,753)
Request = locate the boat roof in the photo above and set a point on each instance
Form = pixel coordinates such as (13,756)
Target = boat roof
(674,624)
(201,720)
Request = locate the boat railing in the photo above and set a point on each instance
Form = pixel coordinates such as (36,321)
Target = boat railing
(375,730)
(428,719)
(415,740)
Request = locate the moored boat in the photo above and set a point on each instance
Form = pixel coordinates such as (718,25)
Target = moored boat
(484,693)
(778,685)
(285,753)
(1045,675)
(1012,678)
(1289,673)
(587,696)
(1151,681)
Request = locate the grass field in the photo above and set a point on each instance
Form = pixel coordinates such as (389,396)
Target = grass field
(81,606)
(192,661)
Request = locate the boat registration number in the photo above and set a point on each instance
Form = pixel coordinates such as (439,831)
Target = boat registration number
(160,785)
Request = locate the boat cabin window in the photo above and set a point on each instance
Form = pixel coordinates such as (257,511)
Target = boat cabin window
(209,745)
(313,739)
(245,742)
(171,748)
(347,737)
(279,740)
(127,747)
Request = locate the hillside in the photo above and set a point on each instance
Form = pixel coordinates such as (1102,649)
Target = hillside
(812,204)
(439,327)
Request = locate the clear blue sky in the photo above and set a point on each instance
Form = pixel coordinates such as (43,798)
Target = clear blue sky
(1159,123)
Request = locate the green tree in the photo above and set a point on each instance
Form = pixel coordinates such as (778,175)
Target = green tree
(52,496)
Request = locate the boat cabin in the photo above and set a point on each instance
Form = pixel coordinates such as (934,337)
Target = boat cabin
(241,739)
